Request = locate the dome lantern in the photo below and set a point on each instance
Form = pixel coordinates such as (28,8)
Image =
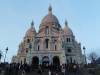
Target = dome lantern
(66,23)
(50,9)
(32,23)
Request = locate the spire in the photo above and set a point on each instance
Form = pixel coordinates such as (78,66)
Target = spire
(32,23)
(50,9)
(66,23)
(32,26)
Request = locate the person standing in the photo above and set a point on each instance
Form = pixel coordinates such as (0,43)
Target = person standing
(63,70)
(49,72)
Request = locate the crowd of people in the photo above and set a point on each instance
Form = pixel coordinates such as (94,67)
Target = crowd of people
(24,69)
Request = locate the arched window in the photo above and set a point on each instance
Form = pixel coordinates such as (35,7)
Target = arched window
(69,50)
(28,40)
(68,39)
(55,47)
(67,61)
(70,59)
(46,42)
(38,47)
(26,50)
(47,30)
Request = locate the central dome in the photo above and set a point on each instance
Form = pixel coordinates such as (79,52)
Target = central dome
(50,18)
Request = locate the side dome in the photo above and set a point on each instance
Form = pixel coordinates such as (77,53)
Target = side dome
(67,30)
(31,30)
(50,18)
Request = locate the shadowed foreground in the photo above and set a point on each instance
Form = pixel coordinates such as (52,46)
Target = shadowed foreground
(71,69)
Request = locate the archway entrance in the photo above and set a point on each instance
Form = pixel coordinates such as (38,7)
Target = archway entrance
(45,61)
(56,61)
(35,61)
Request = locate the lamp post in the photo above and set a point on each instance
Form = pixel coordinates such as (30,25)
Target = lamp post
(5,54)
(0,56)
(85,53)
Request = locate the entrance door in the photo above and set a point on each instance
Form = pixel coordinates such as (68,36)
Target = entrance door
(35,60)
(56,61)
(45,61)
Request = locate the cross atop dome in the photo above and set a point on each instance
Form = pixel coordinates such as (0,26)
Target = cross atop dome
(50,9)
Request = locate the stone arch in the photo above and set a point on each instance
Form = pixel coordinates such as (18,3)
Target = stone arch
(45,60)
(35,60)
(56,60)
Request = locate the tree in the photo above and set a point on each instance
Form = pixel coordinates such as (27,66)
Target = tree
(92,57)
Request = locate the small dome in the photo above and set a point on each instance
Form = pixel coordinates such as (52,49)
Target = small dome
(31,30)
(67,30)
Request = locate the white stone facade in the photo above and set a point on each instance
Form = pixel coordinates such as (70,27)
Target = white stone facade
(51,44)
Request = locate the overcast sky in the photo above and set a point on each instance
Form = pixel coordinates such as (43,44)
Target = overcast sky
(83,17)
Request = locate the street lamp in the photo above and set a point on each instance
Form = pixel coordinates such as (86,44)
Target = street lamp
(0,55)
(84,53)
(5,54)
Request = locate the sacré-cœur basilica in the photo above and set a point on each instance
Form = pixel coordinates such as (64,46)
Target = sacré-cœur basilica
(52,44)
